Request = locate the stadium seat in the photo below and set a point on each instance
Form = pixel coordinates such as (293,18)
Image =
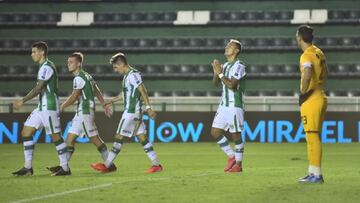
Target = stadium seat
(353,93)
(170,68)
(163,42)
(204,69)
(137,17)
(154,16)
(170,16)
(147,43)
(180,93)
(291,68)
(154,69)
(197,93)
(187,69)
(285,93)
(252,93)
(213,93)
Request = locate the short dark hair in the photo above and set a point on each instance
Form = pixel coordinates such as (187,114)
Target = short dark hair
(42,46)
(237,43)
(119,57)
(78,55)
(306,33)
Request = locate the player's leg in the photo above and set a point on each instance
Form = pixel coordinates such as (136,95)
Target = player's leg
(236,122)
(32,123)
(108,165)
(61,149)
(70,142)
(150,152)
(312,116)
(218,128)
(29,146)
(100,145)
(51,122)
(239,151)
(122,130)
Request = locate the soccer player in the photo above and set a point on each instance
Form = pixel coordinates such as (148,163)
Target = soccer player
(83,123)
(312,99)
(131,123)
(230,113)
(46,115)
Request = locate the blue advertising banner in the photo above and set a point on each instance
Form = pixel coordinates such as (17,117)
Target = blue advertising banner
(266,127)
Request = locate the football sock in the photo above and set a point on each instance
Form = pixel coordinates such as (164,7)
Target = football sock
(239,150)
(70,152)
(149,150)
(61,148)
(314,152)
(114,152)
(103,151)
(225,146)
(28,151)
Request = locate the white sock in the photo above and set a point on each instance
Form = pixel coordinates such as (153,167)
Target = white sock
(28,153)
(63,155)
(314,170)
(113,153)
(225,146)
(104,155)
(149,150)
(239,151)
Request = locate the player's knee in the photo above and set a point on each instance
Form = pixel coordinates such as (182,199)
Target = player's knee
(215,133)
(142,138)
(119,137)
(56,137)
(27,132)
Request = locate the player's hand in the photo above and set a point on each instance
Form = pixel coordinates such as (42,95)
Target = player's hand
(305,96)
(108,103)
(108,110)
(18,104)
(152,114)
(216,67)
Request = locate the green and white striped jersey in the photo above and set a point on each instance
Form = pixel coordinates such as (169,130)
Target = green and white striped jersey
(230,97)
(132,101)
(85,82)
(48,98)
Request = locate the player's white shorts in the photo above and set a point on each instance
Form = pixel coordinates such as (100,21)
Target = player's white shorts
(229,118)
(130,122)
(50,120)
(84,125)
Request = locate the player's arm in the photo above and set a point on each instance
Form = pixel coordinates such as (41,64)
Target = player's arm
(305,93)
(44,75)
(216,80)
(115,99)
(71,99)
(145,98)
(305,82)
(217,70)
(41,84)
(230,83)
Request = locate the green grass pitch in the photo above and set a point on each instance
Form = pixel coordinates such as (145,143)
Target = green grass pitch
(193,172)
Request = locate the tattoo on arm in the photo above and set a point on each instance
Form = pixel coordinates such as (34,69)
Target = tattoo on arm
(41,84)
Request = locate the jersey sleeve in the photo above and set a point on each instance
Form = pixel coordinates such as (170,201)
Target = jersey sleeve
(305,61)
(238,72)
(45,73)
(135,79)
(78,83)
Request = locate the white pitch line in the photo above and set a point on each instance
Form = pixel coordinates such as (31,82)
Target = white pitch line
(63,193)
(107,185)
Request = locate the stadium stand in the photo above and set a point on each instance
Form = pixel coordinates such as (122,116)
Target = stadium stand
(173,44)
